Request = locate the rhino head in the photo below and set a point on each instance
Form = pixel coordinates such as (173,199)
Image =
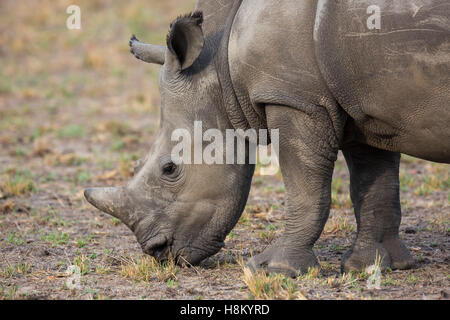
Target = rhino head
(179,209)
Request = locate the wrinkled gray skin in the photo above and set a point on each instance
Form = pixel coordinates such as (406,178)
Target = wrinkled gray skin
(313,70)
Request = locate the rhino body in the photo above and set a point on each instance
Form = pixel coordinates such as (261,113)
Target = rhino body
(315,71)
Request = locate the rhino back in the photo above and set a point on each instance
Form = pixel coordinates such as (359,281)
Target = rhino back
(394,82)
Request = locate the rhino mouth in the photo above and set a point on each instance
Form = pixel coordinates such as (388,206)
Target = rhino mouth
(158,247)
(192,253)
(159,252)
(181,254)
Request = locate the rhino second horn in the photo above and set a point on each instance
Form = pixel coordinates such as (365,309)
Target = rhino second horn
(150,53)
(111,201)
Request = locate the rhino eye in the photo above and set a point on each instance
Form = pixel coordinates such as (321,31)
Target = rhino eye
(169,168)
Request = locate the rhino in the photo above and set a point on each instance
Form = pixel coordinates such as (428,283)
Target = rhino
(328,81)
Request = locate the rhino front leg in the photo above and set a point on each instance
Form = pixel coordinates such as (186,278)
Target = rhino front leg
(374,189)
(307,153)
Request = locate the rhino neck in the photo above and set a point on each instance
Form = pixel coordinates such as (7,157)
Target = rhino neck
(239,110)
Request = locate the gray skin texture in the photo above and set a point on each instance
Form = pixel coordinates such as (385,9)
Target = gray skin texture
(313,70)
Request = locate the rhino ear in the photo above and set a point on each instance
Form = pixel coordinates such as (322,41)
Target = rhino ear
(185,41)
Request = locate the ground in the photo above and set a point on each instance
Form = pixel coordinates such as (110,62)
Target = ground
(76,110)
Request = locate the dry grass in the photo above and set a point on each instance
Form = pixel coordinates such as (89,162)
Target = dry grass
(264,286)
(64,159)
(11,270)
(339,225)
(146,268)
(83,263)
(9,293)
(7,206)
(102,269)
(313,273)
(440,222)
(42,146)
(17,183)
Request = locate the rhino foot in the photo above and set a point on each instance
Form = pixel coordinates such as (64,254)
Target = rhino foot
(401,258)
(285,259)
(393,254)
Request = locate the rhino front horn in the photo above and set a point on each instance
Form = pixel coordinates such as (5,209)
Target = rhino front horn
(110,200)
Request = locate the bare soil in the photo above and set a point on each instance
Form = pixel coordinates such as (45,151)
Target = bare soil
(76,110)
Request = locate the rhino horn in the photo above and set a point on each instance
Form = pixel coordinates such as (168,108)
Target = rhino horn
(146,52)
(110,200)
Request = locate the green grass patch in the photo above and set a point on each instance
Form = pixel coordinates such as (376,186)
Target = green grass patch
(71,131)
(14,238)
(55,238)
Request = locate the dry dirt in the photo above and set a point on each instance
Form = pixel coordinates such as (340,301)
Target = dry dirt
(76,110)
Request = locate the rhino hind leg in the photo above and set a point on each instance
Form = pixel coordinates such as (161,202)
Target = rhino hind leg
(375,193)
